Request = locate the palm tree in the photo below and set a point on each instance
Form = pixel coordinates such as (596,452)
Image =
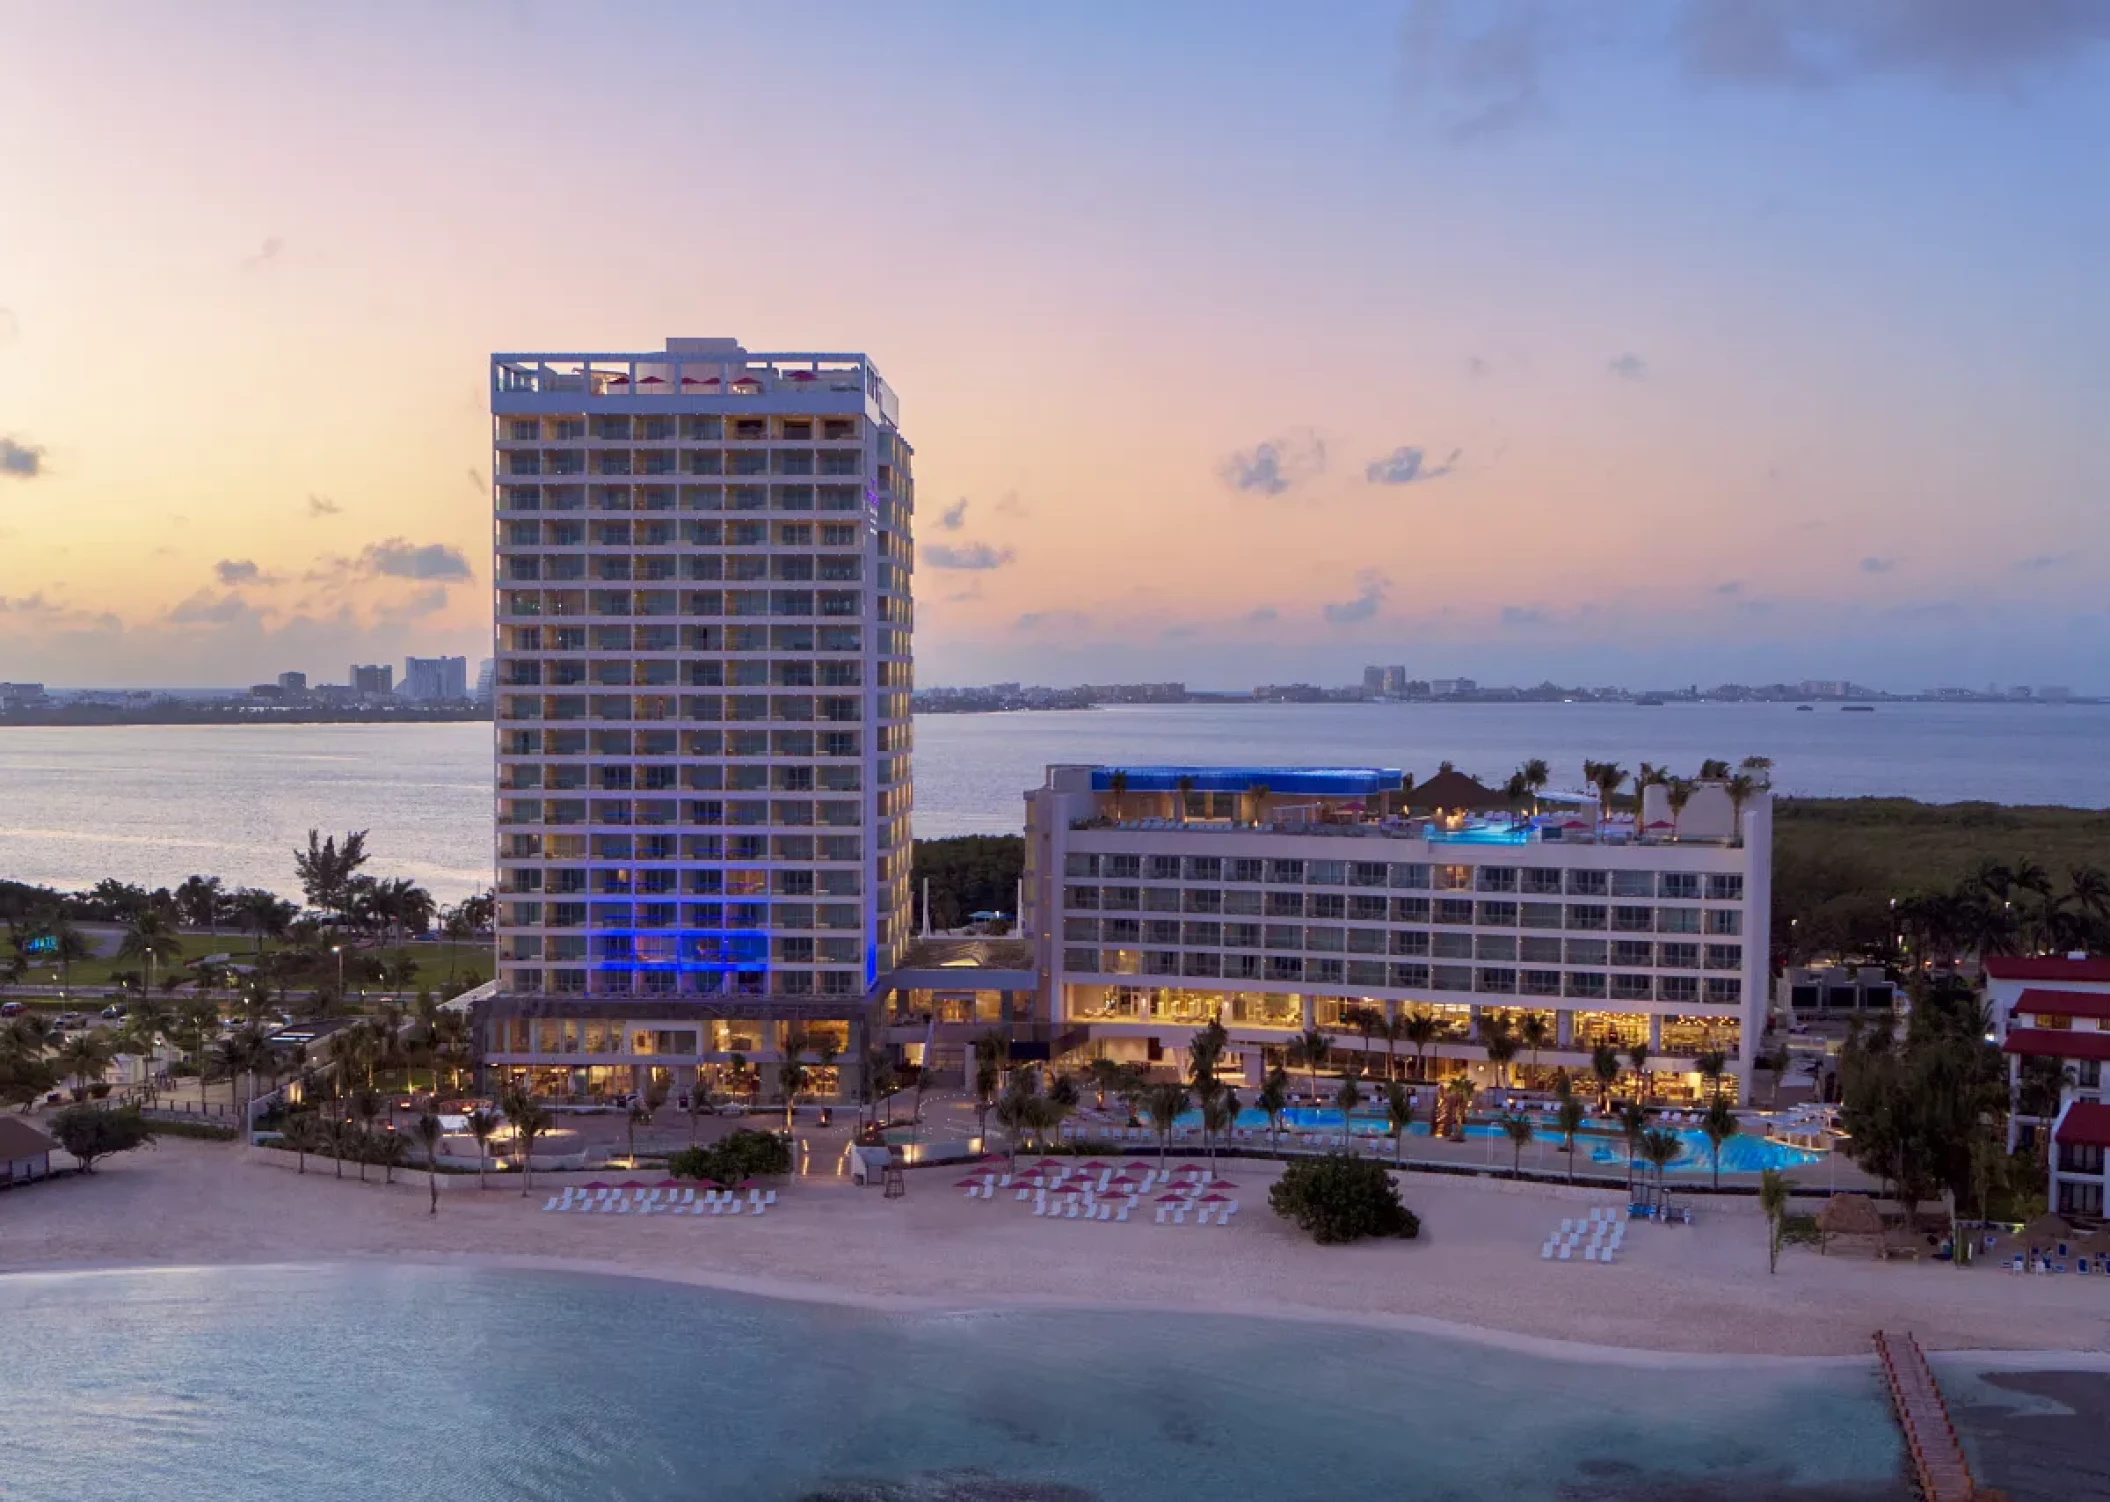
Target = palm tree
(1219,1115)
(1520,1131)
(1393,1029)
(84,1057)
(428,1130)
(529,1122)
(1678,793)
(483,1126)
(1637,1055)
(1714,769)
(1633,1125)
(303,1134)
(2090,891)
(1256,800)
(1399,1116)
(1368,1021)
(1759,767)
(1421,1029)
(391,1153)
(1713,1064)
(1346,1099)
(1310,1050)
(1740,789)
(1720,1124)
(1165,1102)
(1608,776)
(1535,1032)
(1569,1117)
(149,938)
(636,1117)
(1660,1148)
(342,1139)
(366,1105)
(67,947)
(1502,1047)
(1117,784)
(199,902)
(1461,1090)
(1274,1099)
(1773,1199)
(1186,791)
(1536,776)
(791,1075)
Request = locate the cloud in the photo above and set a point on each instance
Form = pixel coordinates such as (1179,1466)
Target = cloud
(1875,565)
(204,609)
(972,555)
(322,505)
(1275,466)
(1371,589)
(20,461)
(1476,367)
(1053,620)
(1628,367)
(264,254)
(2043,561)
(398,559)
(1260,615)
(1730,587)
(954,517)
(971,591)
(1407,466)
(1012,504)
(421,603)
(1524,617)
(233,571)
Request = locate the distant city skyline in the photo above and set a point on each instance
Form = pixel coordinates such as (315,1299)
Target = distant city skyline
(1649,351)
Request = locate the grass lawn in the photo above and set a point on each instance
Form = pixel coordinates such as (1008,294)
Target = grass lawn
(432,961)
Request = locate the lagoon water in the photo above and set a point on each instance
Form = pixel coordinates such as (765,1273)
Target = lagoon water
(228,1384)
(152,804)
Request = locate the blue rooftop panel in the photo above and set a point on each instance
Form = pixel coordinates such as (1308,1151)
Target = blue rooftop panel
(1318,782)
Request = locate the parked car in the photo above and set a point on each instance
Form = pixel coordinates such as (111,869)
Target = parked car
(114,1011)
(71,1019)
(12,1009)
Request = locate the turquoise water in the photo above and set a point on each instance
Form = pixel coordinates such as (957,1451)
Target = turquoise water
(414,1383)
(1740,1154)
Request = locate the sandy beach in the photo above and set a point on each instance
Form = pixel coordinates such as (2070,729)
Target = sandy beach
(1476,1269)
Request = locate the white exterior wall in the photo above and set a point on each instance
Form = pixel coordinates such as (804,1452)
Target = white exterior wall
(1067,798)
(702,670)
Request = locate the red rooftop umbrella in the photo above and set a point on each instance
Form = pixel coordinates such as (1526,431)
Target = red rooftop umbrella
(668,1184)
(652,381)
(631,1184)
(747,381)
(701,381)
(597,1184)
(804,375)
(745,1184)
(619,381)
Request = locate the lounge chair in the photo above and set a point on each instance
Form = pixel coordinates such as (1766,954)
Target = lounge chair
(1566,1252)
(1546,1252)
(552,1203)
(1121,1214)
(732,1206)
(1590,1253)
(1605,1255)
(769,1196)
(1161,1213)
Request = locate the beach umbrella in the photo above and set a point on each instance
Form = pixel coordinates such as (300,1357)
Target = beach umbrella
(1215,1199)
(1094,1166)
(597,1184)
(1049,1163)
(621,380)
(707,1184)
(631,1184)
(1136,1165)
(668,1184)
(745,1184)
(1221,1184)
(968,1184)
(1173,1195)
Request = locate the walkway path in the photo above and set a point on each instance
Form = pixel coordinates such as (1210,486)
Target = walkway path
(1938,1462)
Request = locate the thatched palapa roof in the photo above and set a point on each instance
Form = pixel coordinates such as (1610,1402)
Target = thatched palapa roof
(1454,789)
(1850,1215)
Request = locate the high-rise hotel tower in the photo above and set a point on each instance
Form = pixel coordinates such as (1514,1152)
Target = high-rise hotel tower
(703,619)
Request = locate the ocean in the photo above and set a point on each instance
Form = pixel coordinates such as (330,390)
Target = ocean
(227,1384)
(152,804)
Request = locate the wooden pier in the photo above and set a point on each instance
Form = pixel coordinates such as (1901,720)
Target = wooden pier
(1938,1462)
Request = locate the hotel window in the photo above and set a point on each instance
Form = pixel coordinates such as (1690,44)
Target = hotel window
(1542,881)
(1246,868)
(1241,967)
(1679,957)
(1122,930)
(1633,920)
(1539,915)
(1285,967)
(1496,982)
(1366,973)
(1454,910)
(1080,929)
(1410,976)
(1200,965)
(1725,990)
(1587,884)
(1209,934)
(1498,914)
(1725,956)
(1588,952)
(1587,915)
(1243,903)
(1327,905)
(1410,910)
(1241,936)
(1161,931)
(1366,941)
(1085,897)
(1494,947)
(1161,962)
(1204,900)
(1366,909)
(1122,867)
(1332,940)
(1633,952)
(1285,936)
(1414,878)
(1205,868)
(1633,883)
(1454,878)
(1367,874)
(1080,959)
(1121,899)
(1285,904)
(1409,941)
(1726,887)
(1677,920)
(1161,899)
(1451,977)
(1539,951)
(1326,873)
(1633,987)
(1586,983)
(1288,873)
(1325,972)
(1539,982)
(1678,988)
(1498,879)
(1164,868)
(1679,885)
(1725,921)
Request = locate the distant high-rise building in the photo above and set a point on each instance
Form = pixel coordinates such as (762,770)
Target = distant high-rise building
(430,679)
(374,680)
(1373,680)
(486,679)
(1394,682)
(292,685)
(1443,688)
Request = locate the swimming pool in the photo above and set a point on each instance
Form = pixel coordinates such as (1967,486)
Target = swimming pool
(1742,1153)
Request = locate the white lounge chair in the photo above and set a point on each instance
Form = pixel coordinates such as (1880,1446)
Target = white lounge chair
(1121,1214)
(552,1203)
(1163,1208)
(1567,1252)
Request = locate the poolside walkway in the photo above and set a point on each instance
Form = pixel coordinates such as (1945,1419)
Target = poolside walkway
(1938,1462)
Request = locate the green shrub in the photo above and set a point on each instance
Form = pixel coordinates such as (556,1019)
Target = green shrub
(742,1155)
(91,1132)
(1342,1198)
(206,1130)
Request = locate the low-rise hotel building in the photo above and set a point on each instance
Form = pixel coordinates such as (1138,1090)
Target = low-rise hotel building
(1279,899)
(2053,1011)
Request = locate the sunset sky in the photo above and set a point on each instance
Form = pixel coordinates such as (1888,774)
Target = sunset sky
(1646,343)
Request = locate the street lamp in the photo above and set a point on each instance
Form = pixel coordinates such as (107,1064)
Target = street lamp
(338,950)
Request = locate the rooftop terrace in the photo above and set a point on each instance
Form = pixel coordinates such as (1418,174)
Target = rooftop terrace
(695,369)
